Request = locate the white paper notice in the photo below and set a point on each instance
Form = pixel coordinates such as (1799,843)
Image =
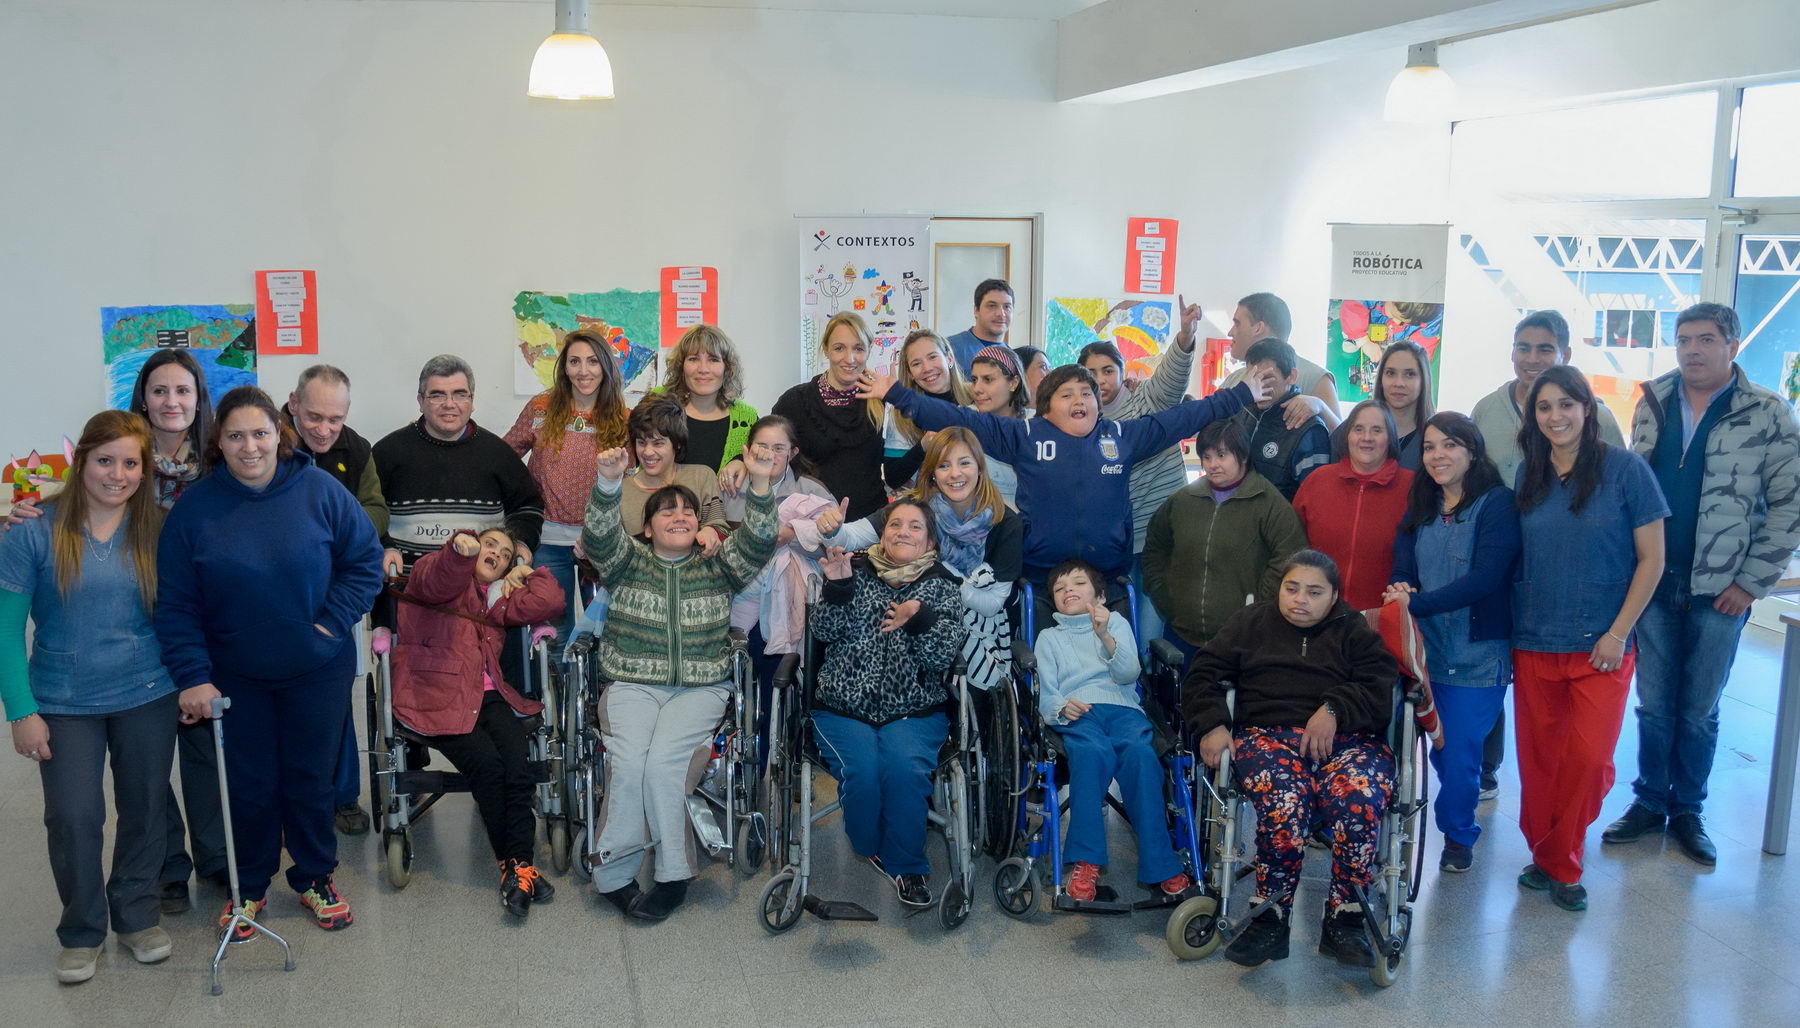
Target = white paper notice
(690,273)
(687,319)
(287,318)
(287,337)
(1148,259)
(1151,243)
(695,285)
(1153,228)
(688,301)
(287,280)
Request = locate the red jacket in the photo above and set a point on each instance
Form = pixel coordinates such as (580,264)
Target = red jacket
(438,656)
(1353,519)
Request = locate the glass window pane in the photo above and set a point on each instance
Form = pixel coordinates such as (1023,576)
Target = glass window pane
(1768,143)
(1638,149)
(1768,306)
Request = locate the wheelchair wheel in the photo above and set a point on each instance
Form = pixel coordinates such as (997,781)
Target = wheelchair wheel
(399,859)
(1387,968)
(1014,890)
(1193,932)
(1001,740)
(953,908)
(772,906)
(559,844)
(752,843)
(578,858)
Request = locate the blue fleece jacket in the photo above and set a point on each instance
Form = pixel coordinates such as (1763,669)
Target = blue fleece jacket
(1072,665)
(1074,491)
(243,576)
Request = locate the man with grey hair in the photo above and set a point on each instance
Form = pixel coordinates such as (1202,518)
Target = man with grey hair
(444,473)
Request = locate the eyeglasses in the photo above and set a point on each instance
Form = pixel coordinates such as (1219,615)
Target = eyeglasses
(438,398)
(772,449)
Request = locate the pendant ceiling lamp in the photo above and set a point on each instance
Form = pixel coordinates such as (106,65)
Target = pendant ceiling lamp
(1422,92)
(571,64)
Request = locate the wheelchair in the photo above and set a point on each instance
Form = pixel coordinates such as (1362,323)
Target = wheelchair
(1202,924)
(403,790)
(1035,861)
(793,755)
(723,809)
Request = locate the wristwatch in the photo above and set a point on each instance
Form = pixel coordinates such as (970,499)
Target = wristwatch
(1329,709)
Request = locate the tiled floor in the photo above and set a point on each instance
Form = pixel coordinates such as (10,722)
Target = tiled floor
(1665,943)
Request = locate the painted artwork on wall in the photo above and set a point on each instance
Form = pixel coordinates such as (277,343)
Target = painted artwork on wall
(1139,328)
(630,320)
(220,337)
(1356,331)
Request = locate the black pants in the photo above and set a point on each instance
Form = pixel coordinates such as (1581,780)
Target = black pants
(493,758)
(1493,751)
(141,743)
(204,829)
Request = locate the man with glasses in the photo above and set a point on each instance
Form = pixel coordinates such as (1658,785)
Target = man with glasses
(443,473)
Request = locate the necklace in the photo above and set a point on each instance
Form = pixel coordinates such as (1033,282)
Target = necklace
(111,545)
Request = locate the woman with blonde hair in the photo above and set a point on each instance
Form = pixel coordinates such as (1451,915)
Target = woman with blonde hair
(86,576)
(707,377)
(839,432)
(928,366)
(559,432)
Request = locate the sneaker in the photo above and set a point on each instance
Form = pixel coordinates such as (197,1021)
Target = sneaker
(329,909)
(1177,885)
(515,895)
(1265,938)
(150,946)
(1490,787)
(175,899)
(252,910)
(1084,882)
(662,900)
(541,889)
(913,890)
(77,964)
(1456,858)
(623,897)
(1343,936)
(1689,832)
(1638,822)
(352,820)
(1567,895)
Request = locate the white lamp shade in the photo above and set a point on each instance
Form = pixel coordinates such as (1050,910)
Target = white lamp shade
(1421,93)
(571,66)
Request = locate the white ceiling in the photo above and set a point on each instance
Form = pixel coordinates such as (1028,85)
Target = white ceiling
(1033,10)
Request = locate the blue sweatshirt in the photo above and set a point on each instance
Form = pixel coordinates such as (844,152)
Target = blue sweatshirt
(243,576)
(1072,665)
(1074,491)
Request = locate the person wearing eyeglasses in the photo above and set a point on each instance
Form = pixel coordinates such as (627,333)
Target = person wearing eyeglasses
(444,474)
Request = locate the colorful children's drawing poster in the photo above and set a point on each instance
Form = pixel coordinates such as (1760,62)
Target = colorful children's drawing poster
(1388,286)
(875,268)
(1139,328)
(220,337)
(629,320)
(690,296)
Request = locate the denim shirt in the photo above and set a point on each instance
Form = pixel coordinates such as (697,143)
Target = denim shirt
(1576,568)
(94,652)
(1445,551)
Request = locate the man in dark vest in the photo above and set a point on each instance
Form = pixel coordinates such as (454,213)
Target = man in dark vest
(1283,455)
(316,409)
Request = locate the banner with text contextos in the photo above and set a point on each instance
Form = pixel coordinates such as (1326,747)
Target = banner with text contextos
(874,268)
(1387,286)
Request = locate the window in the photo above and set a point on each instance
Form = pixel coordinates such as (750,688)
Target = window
(1768,141)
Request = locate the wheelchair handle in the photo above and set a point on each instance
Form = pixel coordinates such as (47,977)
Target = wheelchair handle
(788,671)
(381,640)
(1023,657)
(542,632)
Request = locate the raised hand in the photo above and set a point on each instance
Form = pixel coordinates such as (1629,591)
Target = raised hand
(1100,616)
(836,564)
(465,544)
(832,518)
(612,463)
(760,468)
(873,385)
(1260,386)
(1190,320)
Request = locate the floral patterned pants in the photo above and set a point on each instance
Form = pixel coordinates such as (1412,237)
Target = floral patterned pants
(1344,794)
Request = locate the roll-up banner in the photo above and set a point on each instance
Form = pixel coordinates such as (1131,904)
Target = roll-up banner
(1387,286)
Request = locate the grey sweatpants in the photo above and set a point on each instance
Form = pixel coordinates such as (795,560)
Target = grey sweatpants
(658,740)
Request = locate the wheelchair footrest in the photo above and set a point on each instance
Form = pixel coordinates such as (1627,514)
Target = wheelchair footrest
(1160,900)
(838,910)
(412,783)
(1106,901)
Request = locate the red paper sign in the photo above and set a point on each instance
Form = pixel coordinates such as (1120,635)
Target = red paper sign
(690,296)
(1150,255)
(287,312)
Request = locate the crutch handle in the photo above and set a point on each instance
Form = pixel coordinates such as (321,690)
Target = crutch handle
(219,705)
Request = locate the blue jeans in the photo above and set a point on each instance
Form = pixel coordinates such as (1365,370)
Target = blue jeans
(1468,713)
(1685,651)
(1108,742)
(884,781)
(561,562)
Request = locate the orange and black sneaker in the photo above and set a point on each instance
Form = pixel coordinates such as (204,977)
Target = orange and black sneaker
(328,908)
(242,932)
(1084,882)
(1177,885)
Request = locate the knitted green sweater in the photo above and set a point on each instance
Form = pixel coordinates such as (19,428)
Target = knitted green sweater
(670,620)
(737,437)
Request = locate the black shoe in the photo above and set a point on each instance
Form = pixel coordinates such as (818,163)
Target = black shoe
(541,889)
(1638,822)
(1457,858)
(515,891)
(914,890)
(1265,938)
(661,901)
(175,898)
(623,897)
(1490,787)
(1689,832)
(220,879)
(1343,937)
(352,820)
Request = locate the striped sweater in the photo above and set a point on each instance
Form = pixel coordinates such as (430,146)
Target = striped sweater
(435,489)
(1155,479)
(670,620)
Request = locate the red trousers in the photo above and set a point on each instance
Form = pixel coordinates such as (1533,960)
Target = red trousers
(1567,721)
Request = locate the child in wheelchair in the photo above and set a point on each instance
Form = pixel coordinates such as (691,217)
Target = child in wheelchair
(453,621)
(1087,693)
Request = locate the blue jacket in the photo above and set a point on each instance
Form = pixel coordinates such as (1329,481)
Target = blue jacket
(1487,587)
(1074,491)
(243,576)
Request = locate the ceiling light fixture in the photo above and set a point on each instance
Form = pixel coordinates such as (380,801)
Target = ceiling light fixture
(1422,92)
(571,64)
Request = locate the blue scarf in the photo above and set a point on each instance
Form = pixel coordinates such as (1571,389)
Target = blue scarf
(962,542)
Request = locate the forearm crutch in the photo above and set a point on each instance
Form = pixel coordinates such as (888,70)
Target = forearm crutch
(228,934)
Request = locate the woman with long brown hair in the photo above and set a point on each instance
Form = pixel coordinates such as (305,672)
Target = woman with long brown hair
(928,366)
(560,432)
(86,576)
(1403,388)
(707,378)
